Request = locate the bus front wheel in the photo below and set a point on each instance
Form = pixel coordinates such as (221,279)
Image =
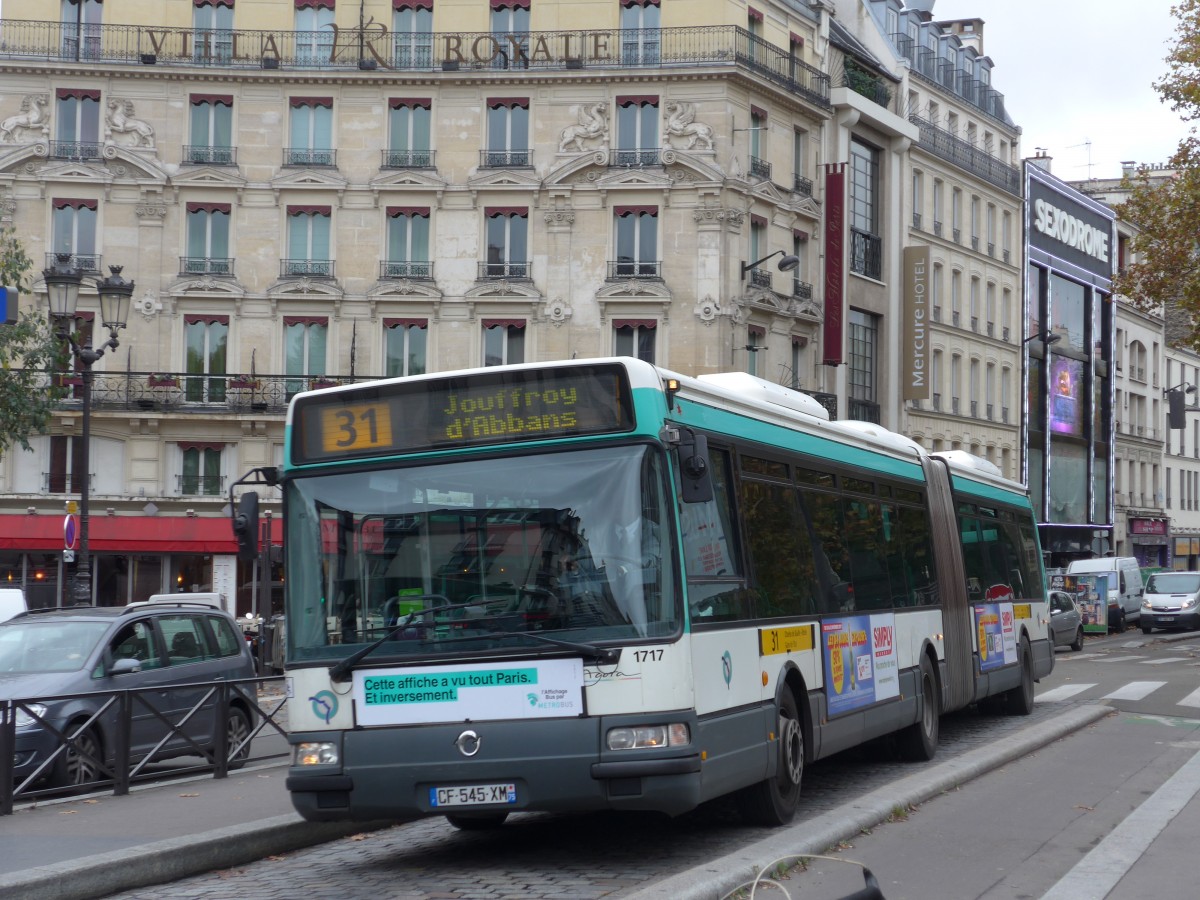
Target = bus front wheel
(773,802)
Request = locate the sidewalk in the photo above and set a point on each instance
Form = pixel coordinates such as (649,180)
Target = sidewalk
(99,845)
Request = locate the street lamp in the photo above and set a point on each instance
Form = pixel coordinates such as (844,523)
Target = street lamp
(62,290)
(786,264)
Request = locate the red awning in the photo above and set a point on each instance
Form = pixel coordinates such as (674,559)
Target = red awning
(125,534)
(410,103)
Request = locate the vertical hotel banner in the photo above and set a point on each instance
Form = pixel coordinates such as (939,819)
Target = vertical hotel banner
(915,351)
(835,262)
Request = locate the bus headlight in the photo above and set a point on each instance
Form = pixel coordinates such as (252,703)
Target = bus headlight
(642,737)
(317,753)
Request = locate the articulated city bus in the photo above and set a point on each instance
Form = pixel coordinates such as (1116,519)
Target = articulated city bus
(597,584)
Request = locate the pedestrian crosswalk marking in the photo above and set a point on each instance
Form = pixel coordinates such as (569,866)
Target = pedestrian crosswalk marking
(1192,699)
(1134,690)
(1064,692)
(1119,658)
(1164,660)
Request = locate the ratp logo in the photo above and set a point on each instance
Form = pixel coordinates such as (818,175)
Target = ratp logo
(727,667)
(324,705)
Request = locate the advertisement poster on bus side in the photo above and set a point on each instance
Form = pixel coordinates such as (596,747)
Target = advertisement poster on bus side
(529,689)
(996,634)
(861,667)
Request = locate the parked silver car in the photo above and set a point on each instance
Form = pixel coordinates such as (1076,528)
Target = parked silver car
(174,649)
(1066,622)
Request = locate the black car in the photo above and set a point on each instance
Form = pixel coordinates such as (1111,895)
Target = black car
(175,649)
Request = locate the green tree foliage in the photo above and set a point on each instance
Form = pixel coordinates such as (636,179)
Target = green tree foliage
(28,352)
(1166,210)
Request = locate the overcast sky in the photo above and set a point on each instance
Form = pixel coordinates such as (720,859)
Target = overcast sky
(1080,71)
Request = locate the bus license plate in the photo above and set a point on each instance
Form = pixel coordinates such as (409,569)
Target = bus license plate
(473,795)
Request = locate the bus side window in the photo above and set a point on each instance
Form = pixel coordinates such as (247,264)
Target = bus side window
(710,550)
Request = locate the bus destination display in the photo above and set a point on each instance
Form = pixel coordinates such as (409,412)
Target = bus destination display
(519,405)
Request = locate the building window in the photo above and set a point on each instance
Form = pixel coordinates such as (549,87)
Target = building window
(405,343)
(636,241)
(759,167)
(801,183)
(206,341)
(211,130)
(640,39)
(212,35)
(797,362)
(503,342)
(412,33)
(507,132)
(956,213)
(863,350)
(866,247)
(207,240)
(311,137)
(308,242)
(637,131)
(77,115)
(304,341)
(408,243)
(66,465)
(507,243)
(634,337)
(510,30)
(200,470)
(74,232)
(755,340)
(314,33)
(409,129)
(81,21)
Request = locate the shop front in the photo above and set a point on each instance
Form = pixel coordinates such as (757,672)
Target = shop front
(1149,540)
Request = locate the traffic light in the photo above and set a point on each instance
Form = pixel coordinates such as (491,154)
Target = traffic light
(1175,408)
(245,526)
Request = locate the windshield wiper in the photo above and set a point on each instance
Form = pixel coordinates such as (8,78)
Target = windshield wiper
(341,671)
(603,655)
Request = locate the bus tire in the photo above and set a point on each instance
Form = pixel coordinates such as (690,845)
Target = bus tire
(919,741)
(477,822)
(1019,700)
(773,801)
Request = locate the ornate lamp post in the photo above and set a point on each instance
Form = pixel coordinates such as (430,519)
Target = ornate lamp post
(62,290)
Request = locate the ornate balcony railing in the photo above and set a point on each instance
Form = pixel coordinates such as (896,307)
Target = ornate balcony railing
(407,159)
(963,154)
(374,47)
(198,155)
(315,268)
(518,271)
(620,269)
(635,158)
(760,168)
(205,265)
(87,263)
(307,156)
(79,150)
(866,254)
(863,410)
(801,290)
(194,394)
(802,186)
(505,159)
(415,271)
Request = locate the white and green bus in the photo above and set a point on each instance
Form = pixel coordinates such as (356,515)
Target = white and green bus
(597,584)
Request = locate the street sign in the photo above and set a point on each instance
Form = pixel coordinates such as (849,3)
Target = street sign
(68,556)
(70,532)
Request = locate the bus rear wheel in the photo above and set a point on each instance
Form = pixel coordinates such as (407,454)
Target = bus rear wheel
(919,740)
(773,801)
(1019,700)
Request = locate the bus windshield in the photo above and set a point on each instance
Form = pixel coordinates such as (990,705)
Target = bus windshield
(574,543)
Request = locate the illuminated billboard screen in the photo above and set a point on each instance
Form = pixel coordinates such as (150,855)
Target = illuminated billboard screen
(1068,409)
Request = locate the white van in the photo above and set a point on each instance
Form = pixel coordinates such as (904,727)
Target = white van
(1126,606)
(12,602)
(209,598)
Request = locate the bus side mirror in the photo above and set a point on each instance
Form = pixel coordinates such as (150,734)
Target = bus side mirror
(694,477)
(245,526)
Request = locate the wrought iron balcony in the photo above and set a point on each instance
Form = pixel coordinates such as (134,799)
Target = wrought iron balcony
(962,153)
(414,271)
(801,290)
(87,263)
(829,401)
(863,410)
(205,265)
(407,159)
(306,156)
(197,155)
(516,271)
(79,150)
(866,254)
(505,159)
(802,186)
(760,168)
(65,482)
(760,277)
(315,268)
(620,269)
(635,159)
(469,54)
